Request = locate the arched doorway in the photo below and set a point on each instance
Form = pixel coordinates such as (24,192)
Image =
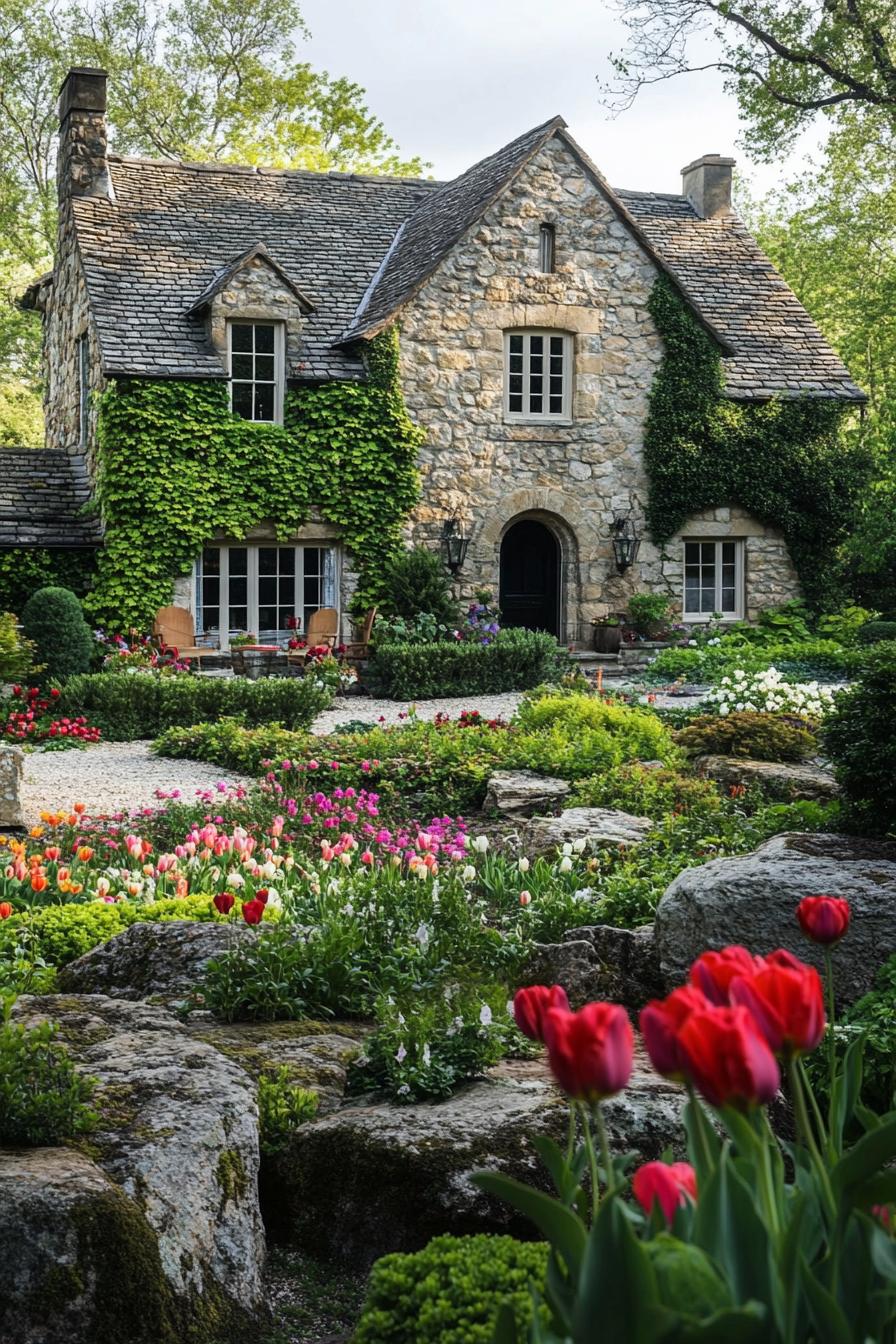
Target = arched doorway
(530,577)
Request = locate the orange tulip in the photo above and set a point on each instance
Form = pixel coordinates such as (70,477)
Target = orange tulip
(5,909)
(80,808)
(52,853)
(75,888)
(38,882)
(36,832)
(85,853)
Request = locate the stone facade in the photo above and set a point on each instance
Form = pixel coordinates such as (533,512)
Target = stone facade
(255,293)
(575,477)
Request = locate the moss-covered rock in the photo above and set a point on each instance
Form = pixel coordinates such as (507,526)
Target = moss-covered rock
(152,961)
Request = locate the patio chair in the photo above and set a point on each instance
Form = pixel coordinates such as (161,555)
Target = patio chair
(359,649)
(322,627)
(174,626)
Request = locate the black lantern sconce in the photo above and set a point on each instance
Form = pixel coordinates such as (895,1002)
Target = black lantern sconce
(454,545)
(626,544)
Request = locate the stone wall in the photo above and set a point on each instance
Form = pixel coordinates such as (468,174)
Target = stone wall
(257,294)
(575,477)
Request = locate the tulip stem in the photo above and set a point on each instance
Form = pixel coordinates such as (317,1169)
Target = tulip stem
(605,1157)
(592,1162)
(804,1128)
(700,1123)
(832,1044)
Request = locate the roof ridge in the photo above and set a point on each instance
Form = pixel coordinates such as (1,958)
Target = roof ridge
(260,170)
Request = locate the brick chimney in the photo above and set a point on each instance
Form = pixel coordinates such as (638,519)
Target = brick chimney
(83,168)
(707,185)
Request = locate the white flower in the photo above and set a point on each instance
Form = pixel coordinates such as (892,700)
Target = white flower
(485,1015)
(510,1012)
(480,844)
(427,1056)
(468,873)
(566,848)
(523,864)
(401,1054)
(422,936)
(566,864)
(235,880)
(579,845)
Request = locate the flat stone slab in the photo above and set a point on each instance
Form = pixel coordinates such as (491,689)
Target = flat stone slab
(596,825)
(523,793)
(785,779)
(752,900)
(164,960)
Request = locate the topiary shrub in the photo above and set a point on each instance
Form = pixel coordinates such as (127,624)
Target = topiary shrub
(451,1291)
(875,631)
(53,620)
(416,583)
(516,660)
(860,738)
(759,737)
(43,1098)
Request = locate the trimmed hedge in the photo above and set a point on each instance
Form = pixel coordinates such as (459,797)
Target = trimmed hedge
(58,934)
(129,707)
(875,631)
(517,660)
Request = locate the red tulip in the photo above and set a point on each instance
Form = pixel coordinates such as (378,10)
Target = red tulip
(531,1005)
(824,919)
(669,1184)
(5,909)
(713,971)
(787,1004)
(262,895)
(728,1059)
(660,1022)
(223,902)
(590,1052)
(253,911)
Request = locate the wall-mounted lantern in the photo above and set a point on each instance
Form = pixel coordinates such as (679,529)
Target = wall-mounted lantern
(454,545)
(626,544)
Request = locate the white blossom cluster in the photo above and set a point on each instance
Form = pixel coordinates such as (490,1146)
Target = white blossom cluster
(768,693)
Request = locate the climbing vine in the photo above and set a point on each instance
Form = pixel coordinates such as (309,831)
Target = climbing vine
(785,461)
(23,569)
(177,467)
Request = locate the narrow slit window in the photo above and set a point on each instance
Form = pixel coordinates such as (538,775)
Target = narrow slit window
(546,241)
(83,390)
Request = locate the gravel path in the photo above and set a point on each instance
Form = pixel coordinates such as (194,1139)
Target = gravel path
(369,710)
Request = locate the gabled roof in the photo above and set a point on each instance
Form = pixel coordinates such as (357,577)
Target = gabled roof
(41,494)
(225,274)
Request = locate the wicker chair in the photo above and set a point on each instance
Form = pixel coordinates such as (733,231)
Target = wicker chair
(322,627)
(174,627)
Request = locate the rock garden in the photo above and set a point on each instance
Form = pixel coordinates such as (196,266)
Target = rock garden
(353,1013)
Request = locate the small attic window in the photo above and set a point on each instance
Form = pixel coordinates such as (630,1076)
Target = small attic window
(546,239)
(256,371)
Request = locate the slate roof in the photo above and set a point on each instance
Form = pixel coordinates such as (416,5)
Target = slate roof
(41,491)
(360,247)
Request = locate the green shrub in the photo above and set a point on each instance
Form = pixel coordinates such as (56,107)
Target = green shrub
(516,660)
(758,736)
(416,584)
(43,1098)
(875,631)
(860,737)
(647,792)
(283,1107)
(16,653)
(451,1291)
(646,609)
(803,660)
(874,1015)
(143,705)
(574,735)
(53,620)
(58,934)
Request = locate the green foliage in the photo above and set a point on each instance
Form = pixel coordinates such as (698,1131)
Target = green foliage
(347,448)
(141,705)
(43,1098)
(16,653)
(647,792)
(875,631)
(813,659)
(860,738)
(283,1107)
(516,660)
(451,1291)
(784,461)
(575,735)
(760,737)
(53,620)
(645,609)
(416,584)
(24,569)
(846,626)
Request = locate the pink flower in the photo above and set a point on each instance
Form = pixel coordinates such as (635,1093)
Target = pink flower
(668,1184)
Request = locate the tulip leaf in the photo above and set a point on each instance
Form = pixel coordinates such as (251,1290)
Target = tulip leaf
(866,1158)
(557,1224)
(881,1189)
(566,1176)
(505,1326)
(830,1326)
(704,1143)
(617,1287)
(739,1325)
(728,1227)
(883,1254)
(846,1089)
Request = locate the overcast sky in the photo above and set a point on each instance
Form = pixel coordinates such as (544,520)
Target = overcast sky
(455,81)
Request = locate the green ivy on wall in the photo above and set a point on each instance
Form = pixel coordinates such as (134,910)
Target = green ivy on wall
(784,461)
(24,569)
(177,468)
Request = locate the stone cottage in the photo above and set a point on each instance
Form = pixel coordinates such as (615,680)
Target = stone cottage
(527,352)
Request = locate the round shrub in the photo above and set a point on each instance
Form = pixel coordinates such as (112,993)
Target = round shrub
(451,1291)
(43,1098)
(875,631)
(53,620)
(759,737)
(860,738)
(574,735)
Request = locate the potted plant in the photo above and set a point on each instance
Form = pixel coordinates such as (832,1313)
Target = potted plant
(607,633)
(647,613)
(238,644)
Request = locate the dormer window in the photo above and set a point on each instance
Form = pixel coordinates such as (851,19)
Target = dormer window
(256,371)
(546,239)
(538,375)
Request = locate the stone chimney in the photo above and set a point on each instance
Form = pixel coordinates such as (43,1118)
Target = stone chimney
(707,185)
(83,167)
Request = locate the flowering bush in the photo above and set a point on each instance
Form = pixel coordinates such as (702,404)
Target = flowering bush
(31,719)
(753,1239)
(768,692)
(138,653)
(482,623)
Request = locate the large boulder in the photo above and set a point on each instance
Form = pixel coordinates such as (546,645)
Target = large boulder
(164,960)
(600,961)
(12,768)
(782,779)
(595,825)
(375,1177)
(752,900)
(178,1133)
(522,793)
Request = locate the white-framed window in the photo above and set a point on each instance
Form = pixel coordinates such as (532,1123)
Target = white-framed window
(83,390)
(546,243)
(261,590)
(538,375)
(713,578)
(256,370)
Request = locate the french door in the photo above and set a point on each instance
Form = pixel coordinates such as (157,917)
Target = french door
(268,591)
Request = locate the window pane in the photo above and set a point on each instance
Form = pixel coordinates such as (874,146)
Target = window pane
(515,403)
(211,591)
(536,344)
(239,591)
(211,560)
(241,367)
(516,345)
(267,560)
(267,619)
(556,404)
(264,401)
(241,399)
(239,560)
(287,560)
(240,336)
(312,556)
(287,592)
(267,590)
(264,338)
(729,599)
(264,368)
(535,404)
(238,618)
(312,589)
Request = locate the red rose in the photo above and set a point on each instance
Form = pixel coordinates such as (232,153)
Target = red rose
(669,1184)
(660,1022)
(590,1052)
(223,902)
(253,912)
(787,1004)
(713,971)
(728,1059)
(824,919)
(531,1005)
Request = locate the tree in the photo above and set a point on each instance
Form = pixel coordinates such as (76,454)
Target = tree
(785,60)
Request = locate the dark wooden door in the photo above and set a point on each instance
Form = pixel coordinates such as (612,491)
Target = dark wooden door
(530,577)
